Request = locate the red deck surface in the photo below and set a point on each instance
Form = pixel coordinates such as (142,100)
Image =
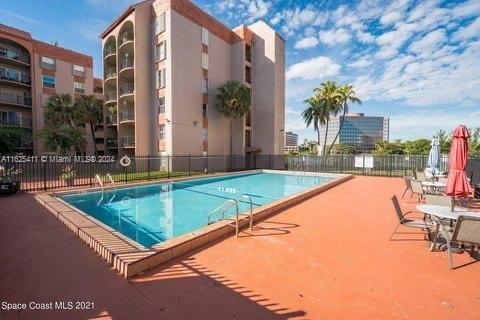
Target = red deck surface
(327,258)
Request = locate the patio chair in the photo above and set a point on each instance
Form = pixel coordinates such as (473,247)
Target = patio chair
(408,185)
(438,200)
(466,233)
(421,176)
(417,189)
(414,174)
(408,222)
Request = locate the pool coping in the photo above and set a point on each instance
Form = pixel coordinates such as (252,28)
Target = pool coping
(130,258)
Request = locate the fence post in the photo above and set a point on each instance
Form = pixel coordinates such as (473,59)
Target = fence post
(188,164)
(90,173)
(270,161)
(45,176)
(148,166)
(363,165)
(168,167)
(126,178)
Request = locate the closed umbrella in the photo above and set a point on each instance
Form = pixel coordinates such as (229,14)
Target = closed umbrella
(457,182)
(434,156)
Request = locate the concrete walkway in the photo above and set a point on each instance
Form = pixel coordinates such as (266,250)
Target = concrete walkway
(327,258)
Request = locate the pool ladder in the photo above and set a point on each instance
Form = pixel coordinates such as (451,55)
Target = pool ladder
(238,216)
(100,182)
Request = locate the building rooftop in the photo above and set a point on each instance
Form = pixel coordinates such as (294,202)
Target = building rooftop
(325,258)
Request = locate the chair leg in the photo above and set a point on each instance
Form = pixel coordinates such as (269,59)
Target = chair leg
(404,192)
(434,242)
(393,233)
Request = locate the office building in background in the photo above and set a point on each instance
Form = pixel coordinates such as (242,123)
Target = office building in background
(358,130)
(291,142)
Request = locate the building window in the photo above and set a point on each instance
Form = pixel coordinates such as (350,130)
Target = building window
(205,86)
(204,110)
(248,53)
(204,61)
(79,87)
(48,63)
(160,23)
(248,74)
(78,70)
(161,133)
(161,106)
(161,51)
(161,78)
(205,36)
(48,82)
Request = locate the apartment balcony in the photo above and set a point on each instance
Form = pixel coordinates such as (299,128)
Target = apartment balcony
(128,142)
(14,77)
(126,89)
(14,56)
(111,119)
(110,74)
(127,116)
(112,143)
(110,97)
(126,64)
(125,39)
(15,99)
(109,53)
(14,121)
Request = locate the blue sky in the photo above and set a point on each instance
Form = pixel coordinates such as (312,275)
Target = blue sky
(417,62)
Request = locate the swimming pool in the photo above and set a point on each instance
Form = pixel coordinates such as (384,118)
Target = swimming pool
(154,213)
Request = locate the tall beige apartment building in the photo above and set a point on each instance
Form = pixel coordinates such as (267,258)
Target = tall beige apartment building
(30,72)
(163,62)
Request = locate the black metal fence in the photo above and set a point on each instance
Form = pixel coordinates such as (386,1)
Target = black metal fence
(56,172)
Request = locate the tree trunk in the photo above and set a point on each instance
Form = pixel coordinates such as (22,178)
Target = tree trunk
(92,130)
(325,144)
(338,132)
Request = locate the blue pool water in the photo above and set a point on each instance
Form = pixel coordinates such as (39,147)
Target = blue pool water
(155,213)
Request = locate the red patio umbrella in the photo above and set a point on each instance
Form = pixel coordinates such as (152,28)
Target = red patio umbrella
(457,182)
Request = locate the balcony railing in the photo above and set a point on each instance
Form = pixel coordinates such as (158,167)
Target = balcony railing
(126,88)
(109,50)
(14,75)
(125,37)
(110,73)
(16,122)
(110,96)
(126,63)
(128,141)
(111,119)
(15,55)
(112,143)
(11,98)
(127,115)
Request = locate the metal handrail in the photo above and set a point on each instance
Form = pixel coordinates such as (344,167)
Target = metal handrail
(99,181)
(111,181)
(226,205)
(250,216)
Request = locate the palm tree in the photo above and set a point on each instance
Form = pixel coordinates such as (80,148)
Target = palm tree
(313,114)
(326,93)
(233,101)
(61,111)
(90,110)
(345,94)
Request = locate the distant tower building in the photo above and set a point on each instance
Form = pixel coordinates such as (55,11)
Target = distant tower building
(291,142)
(358,130)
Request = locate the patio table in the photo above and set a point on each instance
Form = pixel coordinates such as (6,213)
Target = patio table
(444,212)
(434,187)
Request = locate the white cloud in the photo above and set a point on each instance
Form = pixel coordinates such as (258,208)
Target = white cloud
(468,32)
(258,8)
(390,18)
(334,36)
(362,62)
(466,9)
(429,43)
(386,53)
(315,68)
(305,43)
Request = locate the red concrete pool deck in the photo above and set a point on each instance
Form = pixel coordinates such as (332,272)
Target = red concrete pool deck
(326,258)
